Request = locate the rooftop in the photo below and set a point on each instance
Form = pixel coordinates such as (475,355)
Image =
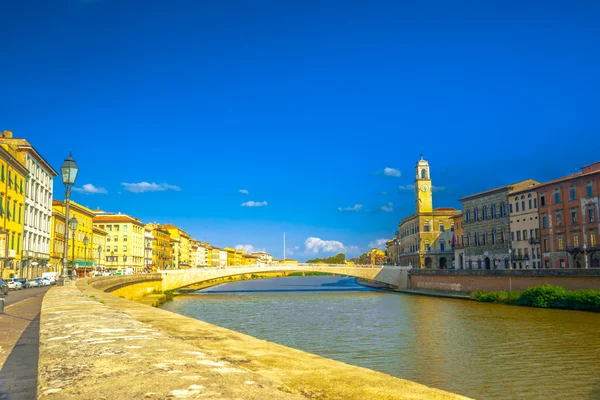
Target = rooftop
(527,183)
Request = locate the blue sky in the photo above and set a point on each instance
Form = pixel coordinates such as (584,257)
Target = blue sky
(303,104)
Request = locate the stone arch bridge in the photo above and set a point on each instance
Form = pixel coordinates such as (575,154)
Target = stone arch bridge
(176,279)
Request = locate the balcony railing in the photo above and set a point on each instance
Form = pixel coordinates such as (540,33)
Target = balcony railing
(534,240)
(574,250)
(520,257)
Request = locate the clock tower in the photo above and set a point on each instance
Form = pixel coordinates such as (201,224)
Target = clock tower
(423,187)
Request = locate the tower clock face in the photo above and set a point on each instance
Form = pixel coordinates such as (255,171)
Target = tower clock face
(424,188)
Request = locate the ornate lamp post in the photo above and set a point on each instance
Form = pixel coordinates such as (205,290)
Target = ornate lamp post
(86,241)
(69,172)
(124,266)
(73,223)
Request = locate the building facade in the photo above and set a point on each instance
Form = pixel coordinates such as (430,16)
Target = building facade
(393,251)
(124,242)
(57,240)
(425,238)
(78,255)
(569,220)
(161,246)
(487,243)
(524,229)
(181,247)
(98,248)
(222,258)
(37,213)
(148,249)
(458,242)
(12,200)
(216,257)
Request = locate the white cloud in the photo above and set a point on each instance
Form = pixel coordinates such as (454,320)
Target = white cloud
(437,188)
(248,248)
(406,188)
(315,245)
(387,171)
(142,187)
(243,191)
(378,243)
(389,207)
(254,204)
(384,193)
(356,207)
(88,188)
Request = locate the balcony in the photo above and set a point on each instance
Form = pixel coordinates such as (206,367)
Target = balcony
(459,246)
(575,250)
(520,257)
(534,240)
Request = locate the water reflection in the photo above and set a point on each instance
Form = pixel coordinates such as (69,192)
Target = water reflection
(480,350)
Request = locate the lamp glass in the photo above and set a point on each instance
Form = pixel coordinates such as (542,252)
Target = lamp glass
(85,240)
(69,171)
(73,223)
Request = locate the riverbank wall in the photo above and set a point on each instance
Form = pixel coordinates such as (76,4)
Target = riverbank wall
(464,280)
(94,344)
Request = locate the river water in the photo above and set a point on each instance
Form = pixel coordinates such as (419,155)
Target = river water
(484,351)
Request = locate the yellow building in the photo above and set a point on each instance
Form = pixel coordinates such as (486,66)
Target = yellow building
(57,240)
(12,200)
(181,246)
(79,256)
(288,261)
(376,257)
(98,247)
(425,238)
(124,242)
(230,256)
(249,259)
(161,246)
(209,252)
(393,251)
(239,254)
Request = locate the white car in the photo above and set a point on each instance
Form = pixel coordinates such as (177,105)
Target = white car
(46,281)
(14,284)
(34,283)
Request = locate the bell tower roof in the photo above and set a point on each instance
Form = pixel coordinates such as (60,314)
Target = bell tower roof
(422,169)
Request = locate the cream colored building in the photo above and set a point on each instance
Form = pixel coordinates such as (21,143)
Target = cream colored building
(148,248)
(222,257)
(98,248)
(262,258)
(124,241)
(524,229)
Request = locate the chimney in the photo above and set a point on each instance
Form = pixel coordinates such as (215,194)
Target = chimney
(7,134)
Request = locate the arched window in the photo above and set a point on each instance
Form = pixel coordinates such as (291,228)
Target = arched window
(476,215)
(479,264)
(502,209)
(494,210)
(522,196)
(484,212)
(493,236)
(422,174)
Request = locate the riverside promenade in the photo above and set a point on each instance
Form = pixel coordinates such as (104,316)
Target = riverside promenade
(95,345)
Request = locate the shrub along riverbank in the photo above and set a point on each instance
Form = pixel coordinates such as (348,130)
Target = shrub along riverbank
(546,296)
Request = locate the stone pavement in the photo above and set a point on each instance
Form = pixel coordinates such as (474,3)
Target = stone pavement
(19,346)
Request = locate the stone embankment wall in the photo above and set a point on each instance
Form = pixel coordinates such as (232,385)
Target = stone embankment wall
(94,345)
(508,280)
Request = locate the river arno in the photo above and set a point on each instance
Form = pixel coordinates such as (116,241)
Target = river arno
(483,351)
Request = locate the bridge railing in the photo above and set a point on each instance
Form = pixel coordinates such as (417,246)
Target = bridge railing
(290,266)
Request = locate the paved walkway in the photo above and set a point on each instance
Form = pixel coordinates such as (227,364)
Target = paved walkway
(19,347)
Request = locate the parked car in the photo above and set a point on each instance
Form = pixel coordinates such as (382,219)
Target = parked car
(3,287)
(24,282)
(33,283)
(14,284)
(47,281)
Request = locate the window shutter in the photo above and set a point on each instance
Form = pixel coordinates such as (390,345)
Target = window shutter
(21,186)
(3,173)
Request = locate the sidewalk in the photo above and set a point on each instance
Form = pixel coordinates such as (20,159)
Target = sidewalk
(19,346)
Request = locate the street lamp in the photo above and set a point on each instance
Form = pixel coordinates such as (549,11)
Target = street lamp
(509,259)
(69,172)
(73,226)
(99,253)
(86,241)
(124,266)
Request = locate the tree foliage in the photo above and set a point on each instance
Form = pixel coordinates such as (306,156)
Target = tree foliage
(337,259)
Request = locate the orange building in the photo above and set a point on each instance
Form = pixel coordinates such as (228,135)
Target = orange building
(569,223)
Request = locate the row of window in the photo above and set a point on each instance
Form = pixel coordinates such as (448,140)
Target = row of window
(477,216)
(14,181)
(519,204)
(573,217)
(522,235)
(12,213)
(574,243)
(572,192)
